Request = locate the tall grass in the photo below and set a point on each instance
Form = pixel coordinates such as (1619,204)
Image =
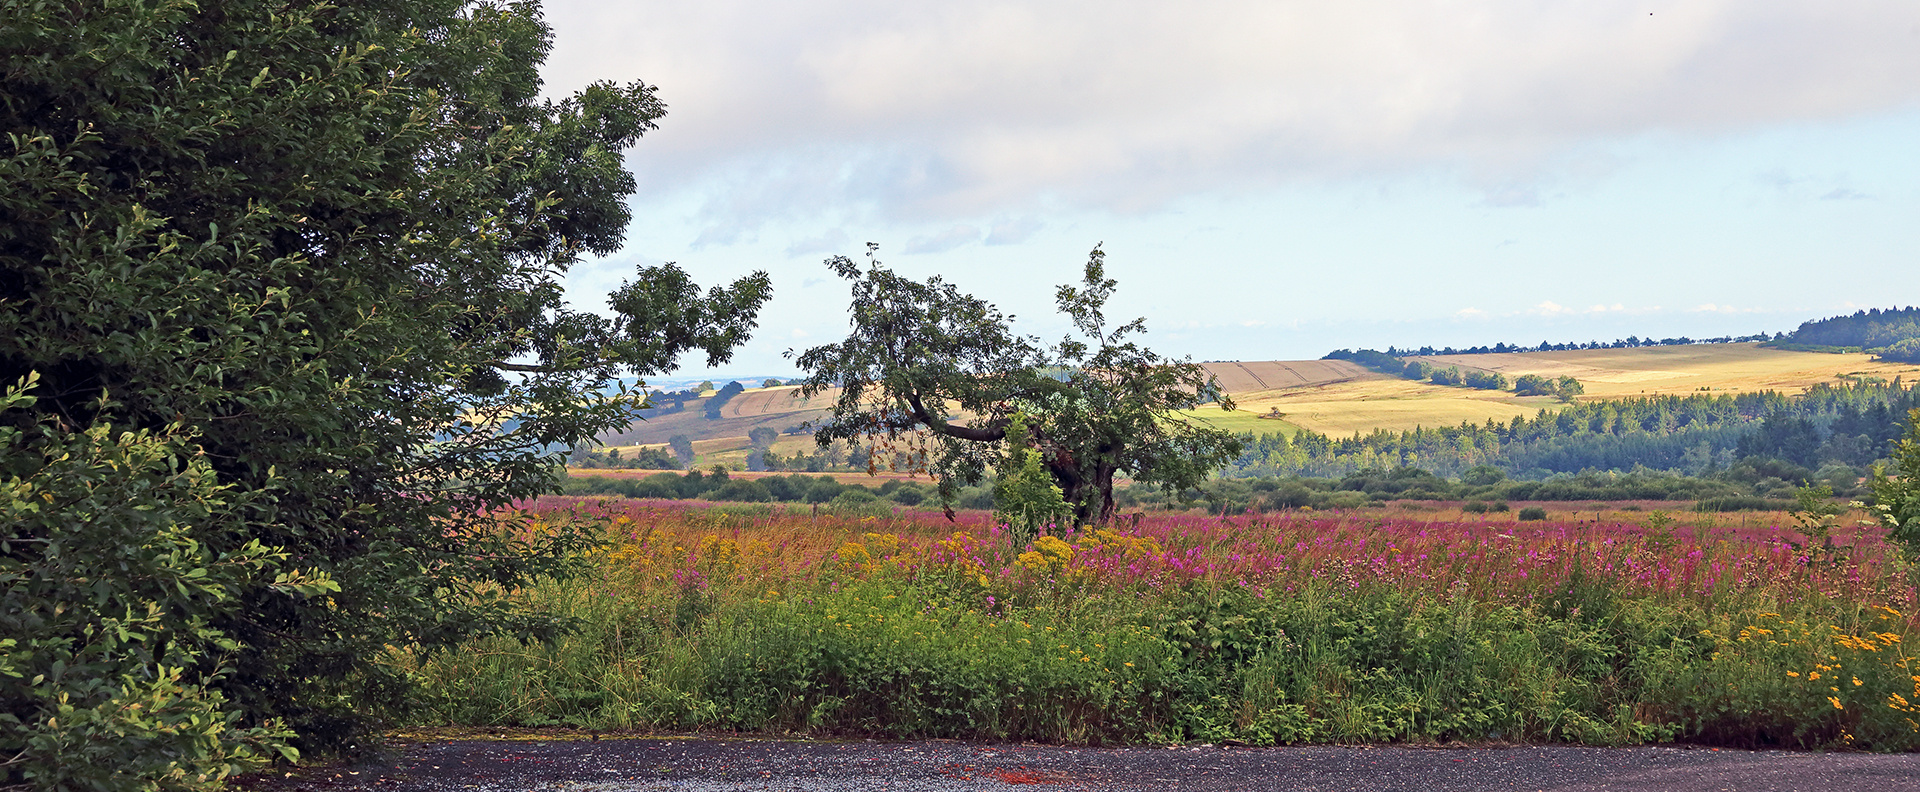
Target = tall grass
(1362,626)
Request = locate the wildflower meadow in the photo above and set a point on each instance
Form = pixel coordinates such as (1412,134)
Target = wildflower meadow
(1371,625)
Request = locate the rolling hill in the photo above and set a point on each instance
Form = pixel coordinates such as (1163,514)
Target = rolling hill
(1339,398)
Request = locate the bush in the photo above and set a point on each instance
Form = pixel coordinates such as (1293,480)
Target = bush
(744,490)
(110,680)
(1533,514)
(859,502)
(823,491)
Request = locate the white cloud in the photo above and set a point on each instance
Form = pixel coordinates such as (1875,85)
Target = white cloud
(834,241)
(943,241)
(934,111)
(1014,231)
(1845,194)
(1470,313)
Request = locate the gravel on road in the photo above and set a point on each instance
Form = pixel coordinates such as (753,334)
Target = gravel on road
(704,764)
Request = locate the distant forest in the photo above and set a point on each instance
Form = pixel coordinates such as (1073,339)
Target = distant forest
(1893,334)
(1630,342)
(1849,424)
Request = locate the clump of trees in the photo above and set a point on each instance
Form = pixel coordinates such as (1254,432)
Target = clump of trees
(720,399)
(1564,388)
(281,332)
(584,456)
(941,375)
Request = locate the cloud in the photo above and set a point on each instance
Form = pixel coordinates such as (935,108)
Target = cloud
(834,241)
(1512,196)
(1470,313)
(943,241)
(932,111)
(1014,231)
(1723,309)
(1845,194)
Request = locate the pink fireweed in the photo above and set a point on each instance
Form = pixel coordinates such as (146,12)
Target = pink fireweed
(772,547)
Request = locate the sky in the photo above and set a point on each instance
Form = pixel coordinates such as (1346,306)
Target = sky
(1277,179)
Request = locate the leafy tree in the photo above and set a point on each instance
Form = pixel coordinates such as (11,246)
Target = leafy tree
(1533,385)
(1566,388)
(720,399)
(771,383)
(927,363)
(763,436)
(309,259)
(682,446)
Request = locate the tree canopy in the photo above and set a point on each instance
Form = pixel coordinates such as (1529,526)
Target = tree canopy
(943,374)
(308,256)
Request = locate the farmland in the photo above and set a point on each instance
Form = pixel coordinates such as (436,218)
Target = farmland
(1362,402)
(1367,625)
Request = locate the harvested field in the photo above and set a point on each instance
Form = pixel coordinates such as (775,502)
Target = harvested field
(1265,375)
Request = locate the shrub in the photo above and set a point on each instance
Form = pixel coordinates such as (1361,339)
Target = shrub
(1533,514)
(823,491)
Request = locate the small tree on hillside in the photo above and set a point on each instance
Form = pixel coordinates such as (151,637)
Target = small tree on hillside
(926,360)
(682,446)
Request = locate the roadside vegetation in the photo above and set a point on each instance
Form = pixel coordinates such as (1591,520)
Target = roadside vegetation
(1354,626)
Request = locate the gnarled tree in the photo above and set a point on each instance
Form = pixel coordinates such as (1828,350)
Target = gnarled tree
(926,362)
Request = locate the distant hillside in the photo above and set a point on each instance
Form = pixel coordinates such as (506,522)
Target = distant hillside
(1893,334)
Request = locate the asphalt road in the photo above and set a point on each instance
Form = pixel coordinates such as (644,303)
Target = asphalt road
(730,765)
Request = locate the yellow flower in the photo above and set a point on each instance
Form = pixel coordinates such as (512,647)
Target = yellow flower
(1836,702)
(1794,674)
(1856,682)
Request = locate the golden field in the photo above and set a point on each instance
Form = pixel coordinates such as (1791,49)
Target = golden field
(1340,406)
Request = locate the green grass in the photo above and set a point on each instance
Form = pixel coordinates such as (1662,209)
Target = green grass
(1240,421)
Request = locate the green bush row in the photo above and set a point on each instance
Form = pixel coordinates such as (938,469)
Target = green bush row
(889,658)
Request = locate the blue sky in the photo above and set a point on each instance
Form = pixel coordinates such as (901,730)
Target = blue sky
(1273,180)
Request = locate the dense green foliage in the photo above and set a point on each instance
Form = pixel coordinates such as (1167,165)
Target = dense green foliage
(1896,497)
(1099,405)
(109,609)
(1848,424)
(718,486)
(282,286)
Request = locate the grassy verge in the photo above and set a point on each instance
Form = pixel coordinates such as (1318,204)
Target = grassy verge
(1364,627)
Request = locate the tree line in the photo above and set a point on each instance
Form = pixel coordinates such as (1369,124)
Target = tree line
(1848,423)
(1630,342)
(1892,334)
